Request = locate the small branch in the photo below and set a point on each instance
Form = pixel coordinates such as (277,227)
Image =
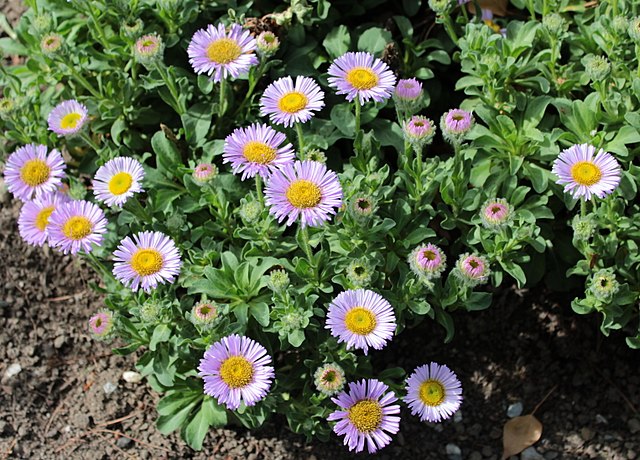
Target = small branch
(544,399)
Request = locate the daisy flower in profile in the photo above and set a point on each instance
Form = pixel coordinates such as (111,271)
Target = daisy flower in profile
(236,369)
(434,393)
(428,261)
(362,319)
(361,75)
(584,174)
(496,213)
(34,217)
(472,269)
(220,54)
(256,149)
(75,226)
(286,102)
(31,170)
(305,189)
(117,180)
(366,414)
(329,379)
(146,260)
(67,118)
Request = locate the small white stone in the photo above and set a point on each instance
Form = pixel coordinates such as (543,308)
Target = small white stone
(109,388)
(132,377)
(457,417)
(601,419)
(453,450)
(514,410)
(530,453)
(13,370)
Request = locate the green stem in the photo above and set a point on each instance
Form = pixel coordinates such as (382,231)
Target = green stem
(448,26)
(87,138)
(222,100)
(170,83)
(99,267)
(259,189)
(307,246)
(102,38)
(358,111)
(84,82)
(532,10)
(253,81)
(300,139)
(583,207)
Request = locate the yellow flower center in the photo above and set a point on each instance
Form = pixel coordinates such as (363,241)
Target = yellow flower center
(70,120)
(223,51)
(259,152)
(42,218)
(293,102)
(236,372)
(362,78)
(431,393)
(429,254)
(586,173)
(360,321)
(120,183)
(303,194)
(366,415)
(77,227)
(146,262)
(35,172)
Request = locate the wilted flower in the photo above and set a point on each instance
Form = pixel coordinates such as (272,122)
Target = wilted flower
(496,213)
(133,29)
(427,261)
(555,24)
(150,311)
(51,44)
(604,285)
(42,23)
(205,172)
(315,155)
(441,6)
(634,30)
(267,43)
(101,325)
(362,207)
(278,281)
(455,124)
(329,379)
(7,107)
(148,49)
(250,211)
(359,272)
(472,269)
(434,393)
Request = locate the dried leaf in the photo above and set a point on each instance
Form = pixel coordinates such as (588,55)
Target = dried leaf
(520,433)
(498,7)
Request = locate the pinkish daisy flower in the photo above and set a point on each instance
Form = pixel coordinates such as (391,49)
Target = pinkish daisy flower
(362,319)
(495,213)
(419,130)
(455,124)
(363,76)
(34,217)
(148,48)
(408,90)
(67,118)
(31,170)
(287,103)
(434,393)
(427,261)
(256,149)
(472,269)
(235,369)
(101,324)
(75,226)
(204,172)
(51,43)
(305,189)
(146,260)
(585,175)
(366,415)
(117,180)
(220,54)
(329,379)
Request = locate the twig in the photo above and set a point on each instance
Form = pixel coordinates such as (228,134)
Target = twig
(114,444)
(53,416)
(117,420)
(66,297)
(544,399)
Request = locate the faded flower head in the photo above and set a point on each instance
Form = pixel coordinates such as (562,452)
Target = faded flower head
(267,43)
(250,210)
(150,312)
(148,49)
(596,67)
(133,29)
(583,227)
(620,25)
(555,24)
(101,325)
(362,207)
(359,272)
(442,6)
(315,155)
(7,107)
(496,213)
(634,29)
(51,44)
(604,285)
(329,379)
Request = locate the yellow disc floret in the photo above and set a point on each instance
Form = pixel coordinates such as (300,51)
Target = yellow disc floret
(35,172)
(360,320)
(70,120)
(293,102)
(366,415)
(224,51)
(77,228)
(586,173)
(362,78)
(304,194)
(120,183)
(431,393)
(42,218)
(259,152)
(236,372)
(146,262)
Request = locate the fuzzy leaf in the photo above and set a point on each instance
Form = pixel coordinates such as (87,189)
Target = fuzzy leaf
(520,433)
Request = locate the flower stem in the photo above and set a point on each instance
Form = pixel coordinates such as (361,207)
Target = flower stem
(84,82)
(300,139)
(358,110)
(259,189)
(448,26)
(164,74)
(222,101)
(304,233)
(583,207)
(87,138)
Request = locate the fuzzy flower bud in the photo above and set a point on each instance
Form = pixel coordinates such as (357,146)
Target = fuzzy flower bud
(455,124)
(597,68)
(267,43)
(408,95)
(634,30)
(604,285)
(51,44)
(496,213)
(359,273)
(583,228)
(329,379)
(204,314)
(316,155)
(7,107)
(427,261)
(620,25)
(101,325)
(361,207)
(148,49)
(555,25)
(204,172)
(419,131)
(250,211)
(42,23)
(472,269)
(278,281)
(133,29)
(150,312)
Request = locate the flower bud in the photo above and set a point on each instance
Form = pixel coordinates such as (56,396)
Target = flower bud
(604,285)
(278,281)
(359,273)
(204,172)
(555,25)
(455,124)
(597,68)
(148,49)
(419,131)
(51,44)
(267,43)
(496,213)
(427,261)
(101,325)
(472,269)
(329,379)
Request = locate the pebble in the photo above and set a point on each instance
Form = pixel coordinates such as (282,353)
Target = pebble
(514,410)
(132,377)
(109,388)
(123,442)
(550,455)
(601,419)
(457,417)
(13,370)
(59,341)
(530,453)
(453,451)
(634,425)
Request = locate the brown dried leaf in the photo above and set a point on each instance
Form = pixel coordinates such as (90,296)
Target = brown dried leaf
(520,433)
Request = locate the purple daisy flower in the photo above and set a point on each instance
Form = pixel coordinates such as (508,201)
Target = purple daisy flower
(67,118)
(215,52)
(367,415)
(408,90)
(362,319)
(117,180)
(287,103)
(31,170)
(75,226)
(361,75)
(472,269)
(146,260)
(495,213)
(256,149)
(34,217)
(419,130)
(434,393)
(585,175)
(235,369)
(427,261)
(306,189)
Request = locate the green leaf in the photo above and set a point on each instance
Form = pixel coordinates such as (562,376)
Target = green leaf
(175,418)
(337,41)
(374,40)
(9,47)
(343,118)
(196,122)
(260,311)
(515,271)
(296,338)
(167,155)
(478,301)
(161,333)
